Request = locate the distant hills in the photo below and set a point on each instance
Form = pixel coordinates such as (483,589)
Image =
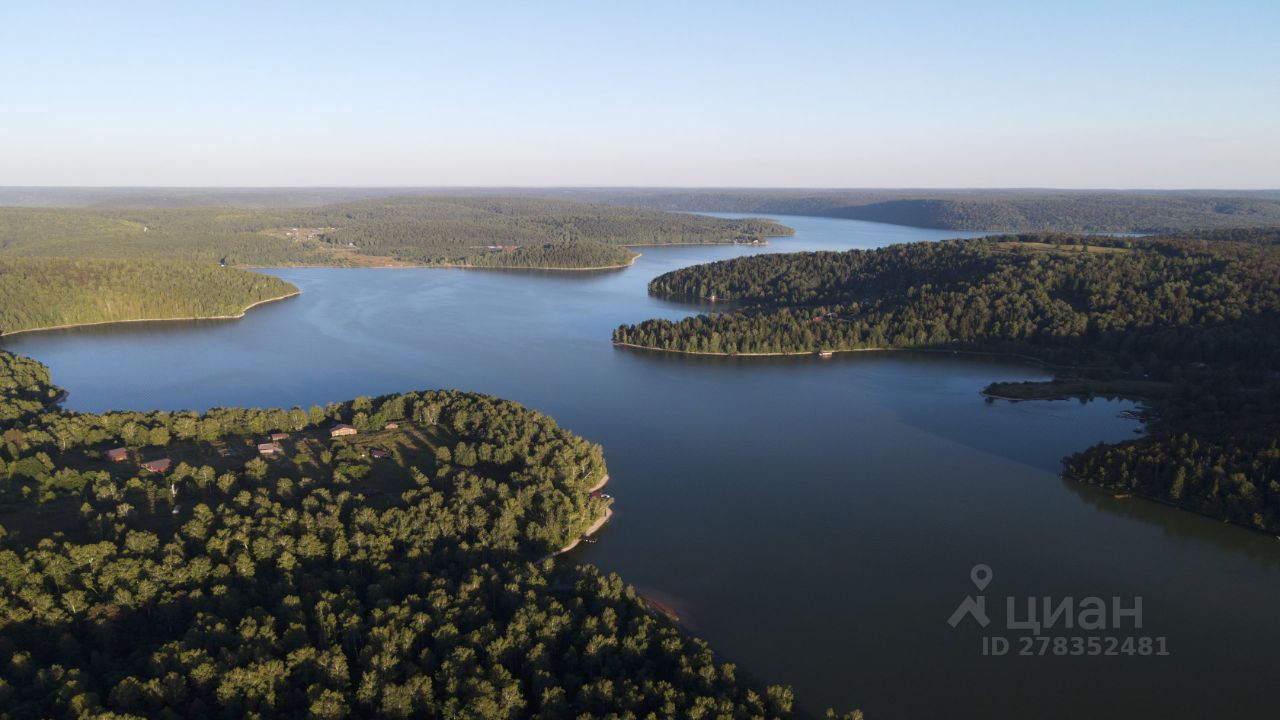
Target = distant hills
(993,210)
(1008,210)
(451,230)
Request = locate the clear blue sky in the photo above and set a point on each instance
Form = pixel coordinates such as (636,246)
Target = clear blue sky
(848,94)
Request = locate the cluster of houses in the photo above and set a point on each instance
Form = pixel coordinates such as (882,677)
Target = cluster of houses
(268,447)
(159,465)
(272,444)
(342,430)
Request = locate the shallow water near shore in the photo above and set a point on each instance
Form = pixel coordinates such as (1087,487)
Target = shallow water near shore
(815,520)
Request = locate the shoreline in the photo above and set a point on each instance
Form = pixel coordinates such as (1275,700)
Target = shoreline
(1136,494)
(595,526)
(815,353)
(721,243)
(71,326)
(446,266)
(592,530)
(621,266)
(793,353)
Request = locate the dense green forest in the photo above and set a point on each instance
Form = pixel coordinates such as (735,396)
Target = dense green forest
(25,388)
(988,210)
(1196,316)
(37,292)
(400,572)
(481,232)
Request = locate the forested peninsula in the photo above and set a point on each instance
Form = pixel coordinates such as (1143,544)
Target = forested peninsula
(380,557)
(483,232)
(1191,323)
(41,293)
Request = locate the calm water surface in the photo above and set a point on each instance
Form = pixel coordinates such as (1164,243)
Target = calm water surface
(816,521)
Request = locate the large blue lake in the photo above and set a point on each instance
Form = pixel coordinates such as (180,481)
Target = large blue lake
(815,520)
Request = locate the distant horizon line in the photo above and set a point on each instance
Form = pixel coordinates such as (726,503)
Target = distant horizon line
(823,188)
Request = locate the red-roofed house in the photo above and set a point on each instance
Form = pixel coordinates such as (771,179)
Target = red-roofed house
(157,466)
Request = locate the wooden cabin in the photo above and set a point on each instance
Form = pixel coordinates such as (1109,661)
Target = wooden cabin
(379,454)
(393,425)
(157,466)
(117,454)
(341,430)
(268,448)
(277,437)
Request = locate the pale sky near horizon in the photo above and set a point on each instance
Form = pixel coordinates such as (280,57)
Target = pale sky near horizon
(1007,93)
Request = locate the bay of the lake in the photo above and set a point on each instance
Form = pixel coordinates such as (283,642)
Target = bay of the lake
(815,520)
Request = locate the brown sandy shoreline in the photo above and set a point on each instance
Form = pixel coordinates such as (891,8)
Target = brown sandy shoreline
(599,523)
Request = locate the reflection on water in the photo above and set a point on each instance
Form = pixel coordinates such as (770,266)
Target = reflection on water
(1182,527)
(815,520)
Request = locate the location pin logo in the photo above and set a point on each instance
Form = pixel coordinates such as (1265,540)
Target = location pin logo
(981,576)
(977,607)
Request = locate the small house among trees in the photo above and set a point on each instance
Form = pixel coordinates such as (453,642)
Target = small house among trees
(268,448)
(341,430)
(117,454)
(157,466)
(277,437)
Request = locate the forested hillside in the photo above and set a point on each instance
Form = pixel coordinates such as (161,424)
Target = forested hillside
(399,572)
(483,232)
(990,210)
(1195,320)
(37,292)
